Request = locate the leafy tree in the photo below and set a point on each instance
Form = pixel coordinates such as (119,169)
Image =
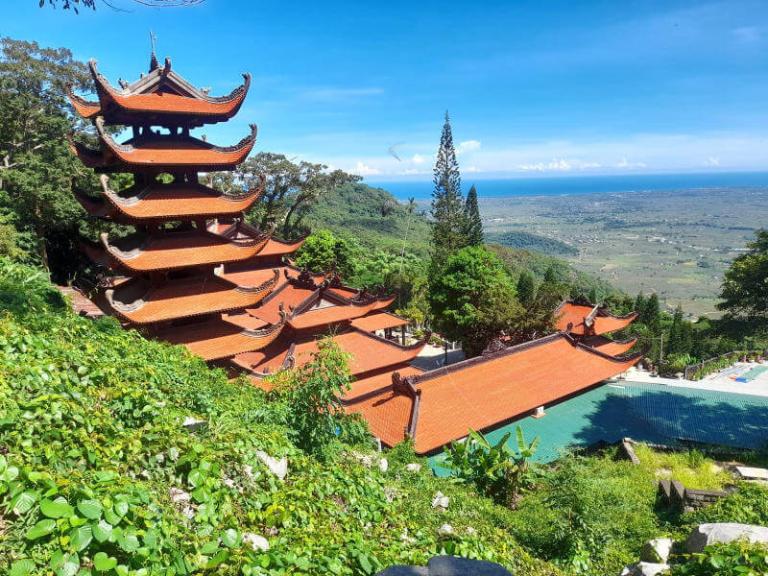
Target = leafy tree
(291,188)
(473,299)
(497,470)
(675,338)
(449,227)
(36,168)
(526,289)
(473,223)
(651,314)
(324,252)
(745,288)
(311,393)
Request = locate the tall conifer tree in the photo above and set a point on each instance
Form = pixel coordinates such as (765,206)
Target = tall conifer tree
(474,225)
(449,227)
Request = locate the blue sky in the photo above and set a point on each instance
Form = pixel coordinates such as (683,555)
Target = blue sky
(533,88)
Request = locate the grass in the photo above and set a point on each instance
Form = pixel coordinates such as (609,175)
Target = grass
(692,468)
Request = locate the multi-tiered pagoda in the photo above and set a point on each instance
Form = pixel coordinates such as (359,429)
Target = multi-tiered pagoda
(194,272)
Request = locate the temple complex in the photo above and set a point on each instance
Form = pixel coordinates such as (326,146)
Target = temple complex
(194,272)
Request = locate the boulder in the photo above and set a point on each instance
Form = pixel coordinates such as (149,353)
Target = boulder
(440,501)
(707,534)
(256,542)
(191,423)
(454,566)
(278,467)
(445,530)
(413,467)
(656,550)
(644,569)
(383,465)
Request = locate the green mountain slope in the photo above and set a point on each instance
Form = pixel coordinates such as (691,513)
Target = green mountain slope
(98,473)
(374,217)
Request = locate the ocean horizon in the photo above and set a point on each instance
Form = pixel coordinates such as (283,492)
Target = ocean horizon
(565,185)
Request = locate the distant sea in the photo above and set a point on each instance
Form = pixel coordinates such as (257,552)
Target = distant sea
(543,186)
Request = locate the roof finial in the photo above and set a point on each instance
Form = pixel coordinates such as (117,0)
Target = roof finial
(153,63)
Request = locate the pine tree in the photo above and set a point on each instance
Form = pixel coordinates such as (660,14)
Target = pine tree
(448,229)
(676,332)
(474,225)
(651,315)
(526,289)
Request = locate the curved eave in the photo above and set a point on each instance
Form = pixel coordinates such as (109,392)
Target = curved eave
(153,256)
(178,152)
(162,304)
(217,339)
(90,157)
(160,202)
(277,247)
(336,314)
(83,107)
(95,207)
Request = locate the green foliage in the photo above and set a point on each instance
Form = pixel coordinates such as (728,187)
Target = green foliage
(497,470)
(312,394)
(733,559)
(526,289)
(744,292)
(325,252)
(449,217)
(472,220)
(529,241)
(473,299)
(749,505)
(92,446)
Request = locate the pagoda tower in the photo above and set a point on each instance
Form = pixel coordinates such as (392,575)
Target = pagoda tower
(194,272)
(167,273)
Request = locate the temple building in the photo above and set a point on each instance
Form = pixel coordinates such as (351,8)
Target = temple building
(194,272)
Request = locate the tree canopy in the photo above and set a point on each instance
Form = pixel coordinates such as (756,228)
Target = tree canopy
(745,285)
(473,223)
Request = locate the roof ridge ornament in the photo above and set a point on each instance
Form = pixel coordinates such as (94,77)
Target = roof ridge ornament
(153,63)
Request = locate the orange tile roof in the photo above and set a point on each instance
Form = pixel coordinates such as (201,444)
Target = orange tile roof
(574,315)
(81,304)
(216,339)
(247,274)
(173,250)
(164,152)
(485,392)
(142,303)
(174,201)
(277,247)
(367,353)
(378,382)
(380,321)
(611,347)
(161,93)
(333,314)
(288,296)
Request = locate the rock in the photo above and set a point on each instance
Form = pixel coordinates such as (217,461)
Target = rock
(257,543)
(383,465)
(656,551)
(278,467)
(454,566)
(191,423)
(413,467)
(400,570)
(471,531)
(445,530)
(248,470)
(749,473)
(178,495)
(440,501)
(706,534)
(644,569)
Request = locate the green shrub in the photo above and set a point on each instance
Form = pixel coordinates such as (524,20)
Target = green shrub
(748,505)
(734,559)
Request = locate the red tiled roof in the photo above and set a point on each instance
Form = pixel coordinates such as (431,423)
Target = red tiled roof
(378,382)
(380,321)
(81,304)
(159,95)
(571,318)
(173,250)
(216,339)
(484,392)
(174,201)
(367,353)
(142,303)
(288,296)
(333,314)
(611,347)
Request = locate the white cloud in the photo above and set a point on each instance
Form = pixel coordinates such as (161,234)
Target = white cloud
(472,170)
(712,161)
(627,165)
(467,146)
(558,165)
(747,34)
(418,159)
(362,169)
(337,94)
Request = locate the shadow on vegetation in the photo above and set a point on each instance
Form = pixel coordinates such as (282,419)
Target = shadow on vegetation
(675,418)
